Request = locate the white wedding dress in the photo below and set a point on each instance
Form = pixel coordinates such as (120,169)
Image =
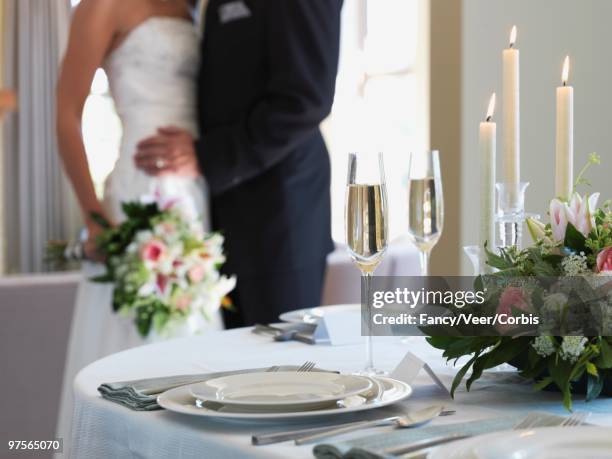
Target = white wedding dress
(152,77)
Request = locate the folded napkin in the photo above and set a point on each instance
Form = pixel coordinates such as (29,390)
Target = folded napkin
(374,446)
(141,394)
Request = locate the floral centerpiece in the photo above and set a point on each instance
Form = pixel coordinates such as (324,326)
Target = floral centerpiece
(575,246)
(164,267)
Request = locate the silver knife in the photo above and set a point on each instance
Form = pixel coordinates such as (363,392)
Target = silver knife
(268,439)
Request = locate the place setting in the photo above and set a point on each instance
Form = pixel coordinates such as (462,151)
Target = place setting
(281,395)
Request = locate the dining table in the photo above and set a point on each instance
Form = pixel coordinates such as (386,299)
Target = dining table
(102,428)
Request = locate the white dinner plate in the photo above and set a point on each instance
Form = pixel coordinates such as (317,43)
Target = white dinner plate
(313,315)
(283,389)
(180,400)
(541,443)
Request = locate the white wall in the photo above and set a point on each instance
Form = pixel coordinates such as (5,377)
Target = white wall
(547,31)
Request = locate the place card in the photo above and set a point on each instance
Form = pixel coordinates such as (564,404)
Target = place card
(410,367)
(339,328)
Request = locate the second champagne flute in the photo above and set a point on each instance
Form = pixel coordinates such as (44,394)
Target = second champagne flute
(366,229)
(425,204)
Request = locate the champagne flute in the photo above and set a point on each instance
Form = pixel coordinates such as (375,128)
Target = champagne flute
(366,229)
(425,204)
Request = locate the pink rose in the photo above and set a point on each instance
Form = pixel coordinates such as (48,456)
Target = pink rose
(604,260)
(153,251)
(512,297)
(196,273)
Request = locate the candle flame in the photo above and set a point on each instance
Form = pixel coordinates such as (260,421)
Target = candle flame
(512,36)
(565,75)
(491,108)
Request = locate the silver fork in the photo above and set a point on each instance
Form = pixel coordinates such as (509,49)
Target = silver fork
(529,421)
(575,419)
(306,367)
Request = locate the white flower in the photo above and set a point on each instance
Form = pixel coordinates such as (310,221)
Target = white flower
(579,211)
(575,265)
(538,232)
(143,236)
(572,347)
(544,345)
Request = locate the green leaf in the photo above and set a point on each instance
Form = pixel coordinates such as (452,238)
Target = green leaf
(497,261)
(560,372)
(461,347)
(542,383)
(160,319)
(604,359)
(505,351)
(591,369)
(574,239)
(594,387)
(100,220)
(143,321)
(534,370)
(567,397)
(480,364)
(461,373)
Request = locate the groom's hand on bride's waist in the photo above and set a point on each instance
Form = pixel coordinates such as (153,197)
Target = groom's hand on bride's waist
(170,151)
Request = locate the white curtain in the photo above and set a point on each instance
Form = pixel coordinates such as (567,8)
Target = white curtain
(39,204)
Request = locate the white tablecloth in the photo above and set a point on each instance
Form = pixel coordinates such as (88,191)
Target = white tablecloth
(103,429)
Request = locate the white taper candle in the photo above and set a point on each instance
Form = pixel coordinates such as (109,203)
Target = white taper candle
(564,164)
(511,112)
(488,149)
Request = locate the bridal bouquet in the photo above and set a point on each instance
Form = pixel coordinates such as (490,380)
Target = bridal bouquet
(574,252)
(164,268)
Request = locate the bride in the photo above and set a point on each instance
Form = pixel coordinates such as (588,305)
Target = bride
(150,52)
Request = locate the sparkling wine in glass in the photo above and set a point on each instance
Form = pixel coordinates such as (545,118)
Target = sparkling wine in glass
(425,204)
(366,228)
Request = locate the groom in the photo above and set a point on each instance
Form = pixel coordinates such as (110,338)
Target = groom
(267,81)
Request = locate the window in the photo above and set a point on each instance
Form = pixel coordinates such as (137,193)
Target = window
(101,129)
(380,102)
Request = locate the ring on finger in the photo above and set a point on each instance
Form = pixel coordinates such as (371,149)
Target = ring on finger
(160,163)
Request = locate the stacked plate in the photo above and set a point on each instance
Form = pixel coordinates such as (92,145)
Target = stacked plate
(275,395)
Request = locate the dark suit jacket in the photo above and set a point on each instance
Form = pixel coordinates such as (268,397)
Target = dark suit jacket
(267,81)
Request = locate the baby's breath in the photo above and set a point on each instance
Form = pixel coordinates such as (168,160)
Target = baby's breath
(575,264)
(544,345)
(572,347)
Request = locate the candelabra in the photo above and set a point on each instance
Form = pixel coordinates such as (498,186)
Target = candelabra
(510,218)
(511,214)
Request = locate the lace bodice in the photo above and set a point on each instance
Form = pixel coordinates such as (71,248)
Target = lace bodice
(155,68)
(153,82)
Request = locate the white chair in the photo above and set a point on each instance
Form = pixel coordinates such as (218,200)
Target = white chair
(36,313)
(342,280)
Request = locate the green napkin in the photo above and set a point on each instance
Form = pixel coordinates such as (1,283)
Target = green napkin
(374,446)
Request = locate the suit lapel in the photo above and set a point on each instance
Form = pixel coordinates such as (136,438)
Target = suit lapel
(201,15)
